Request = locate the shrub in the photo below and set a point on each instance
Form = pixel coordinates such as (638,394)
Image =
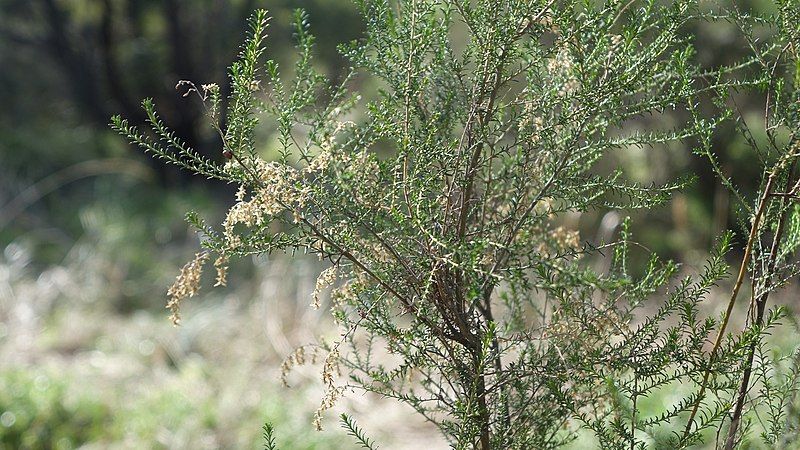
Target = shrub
(438,203)
(39,412)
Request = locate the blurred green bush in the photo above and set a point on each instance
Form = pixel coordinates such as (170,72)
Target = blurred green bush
(39,411)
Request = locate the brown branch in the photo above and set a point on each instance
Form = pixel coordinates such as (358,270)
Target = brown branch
(759,302)
(762,204)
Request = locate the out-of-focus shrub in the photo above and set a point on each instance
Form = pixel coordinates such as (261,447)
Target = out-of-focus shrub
(43,411)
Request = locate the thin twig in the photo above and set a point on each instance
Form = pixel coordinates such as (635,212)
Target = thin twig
(762,204)
(759,302)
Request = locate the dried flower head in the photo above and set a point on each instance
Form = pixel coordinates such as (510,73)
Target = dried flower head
(332,395)
(221,264)
(561,67)
(325,280)
(297,358)
(330,366)
(276,192)
(210,88)
(566,239)
(322,160)
(186,285)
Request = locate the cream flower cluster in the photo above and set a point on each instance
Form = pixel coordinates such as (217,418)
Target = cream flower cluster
(277,192)
(325,280)
(186,285)
(561,66)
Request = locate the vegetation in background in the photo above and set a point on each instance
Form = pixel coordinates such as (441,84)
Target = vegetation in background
(68,65)
(439,205)
(76,375)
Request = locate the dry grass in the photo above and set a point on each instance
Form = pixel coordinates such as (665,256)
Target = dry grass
(208,384)
(135,381)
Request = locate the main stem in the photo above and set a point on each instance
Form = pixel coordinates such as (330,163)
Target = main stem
(748,250)
(759,302)
(485,439)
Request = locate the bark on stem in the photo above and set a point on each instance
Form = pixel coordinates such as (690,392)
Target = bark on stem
(760,303)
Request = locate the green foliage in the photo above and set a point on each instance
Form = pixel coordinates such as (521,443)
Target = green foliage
(269,439)
(438,203)
(39,412)
(167,146)
(350,425)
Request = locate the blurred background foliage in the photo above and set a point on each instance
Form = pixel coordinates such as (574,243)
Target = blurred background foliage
(91,231)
